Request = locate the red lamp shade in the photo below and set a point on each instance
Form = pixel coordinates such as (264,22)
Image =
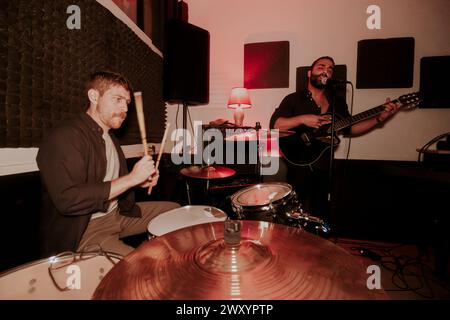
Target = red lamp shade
(239,98)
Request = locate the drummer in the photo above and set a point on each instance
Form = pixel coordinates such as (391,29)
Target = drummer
(87,196)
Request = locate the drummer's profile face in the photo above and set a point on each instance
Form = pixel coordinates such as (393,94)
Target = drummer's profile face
(112,106)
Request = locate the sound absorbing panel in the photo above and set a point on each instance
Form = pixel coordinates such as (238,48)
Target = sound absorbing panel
(435,82)
(266,65)
(385,63)
(44,65)
(186,64)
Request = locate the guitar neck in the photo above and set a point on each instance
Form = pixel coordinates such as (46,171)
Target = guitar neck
(346,122)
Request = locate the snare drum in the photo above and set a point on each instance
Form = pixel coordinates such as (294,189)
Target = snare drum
(32,281)
(183,217)
(270,202)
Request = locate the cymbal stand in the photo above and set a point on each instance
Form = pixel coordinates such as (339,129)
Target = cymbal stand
(259,153)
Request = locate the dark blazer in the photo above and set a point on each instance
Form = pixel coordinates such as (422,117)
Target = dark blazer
(72,164)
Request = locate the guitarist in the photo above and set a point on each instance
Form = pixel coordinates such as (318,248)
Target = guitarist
(304,111)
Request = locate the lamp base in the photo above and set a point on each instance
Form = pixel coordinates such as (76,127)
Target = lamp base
(238,115)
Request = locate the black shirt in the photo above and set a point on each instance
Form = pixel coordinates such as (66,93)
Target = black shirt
(301,102)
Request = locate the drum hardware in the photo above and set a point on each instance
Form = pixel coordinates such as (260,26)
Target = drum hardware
(205,173)
(255,260)
(308,222)
(276,202)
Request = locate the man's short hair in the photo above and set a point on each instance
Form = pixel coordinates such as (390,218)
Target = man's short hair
(103,80)
(317,60)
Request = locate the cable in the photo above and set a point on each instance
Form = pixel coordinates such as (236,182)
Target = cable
(351,114)
(190,120)
(408,273)
(176,118)
(429,143)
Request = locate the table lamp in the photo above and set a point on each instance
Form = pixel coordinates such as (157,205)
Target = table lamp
(239,100)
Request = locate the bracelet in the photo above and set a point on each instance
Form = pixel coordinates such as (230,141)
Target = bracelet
(379,120)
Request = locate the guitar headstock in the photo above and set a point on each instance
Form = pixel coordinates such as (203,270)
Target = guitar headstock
(411,100)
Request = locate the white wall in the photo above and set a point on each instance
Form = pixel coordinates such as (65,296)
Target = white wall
(323,27)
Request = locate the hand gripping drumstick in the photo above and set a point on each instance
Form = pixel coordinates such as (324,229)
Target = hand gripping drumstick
(163,142)
(141,121)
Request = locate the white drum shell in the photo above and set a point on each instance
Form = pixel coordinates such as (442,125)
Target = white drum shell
(32,281)
(184,217)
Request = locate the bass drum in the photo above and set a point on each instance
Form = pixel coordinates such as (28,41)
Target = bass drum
(42,280)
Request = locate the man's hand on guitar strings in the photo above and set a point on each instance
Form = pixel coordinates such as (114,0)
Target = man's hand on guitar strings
(315,121)
(390,109)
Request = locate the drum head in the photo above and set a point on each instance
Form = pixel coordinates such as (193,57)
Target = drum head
(184,217)
(261,194)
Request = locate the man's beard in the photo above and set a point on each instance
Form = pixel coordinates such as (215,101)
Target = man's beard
(121,115)
(315,81)
(117,120)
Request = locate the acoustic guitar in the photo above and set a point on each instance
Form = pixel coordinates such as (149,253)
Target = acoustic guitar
(307,147)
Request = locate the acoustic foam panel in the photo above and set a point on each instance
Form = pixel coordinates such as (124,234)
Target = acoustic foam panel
(340,73)
(266,65)
(435,82)
(385,63)
(44,65)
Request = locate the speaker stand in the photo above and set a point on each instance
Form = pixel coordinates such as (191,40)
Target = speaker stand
(185,115)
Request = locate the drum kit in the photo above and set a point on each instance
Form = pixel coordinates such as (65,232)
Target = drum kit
(272,249)
(272,202)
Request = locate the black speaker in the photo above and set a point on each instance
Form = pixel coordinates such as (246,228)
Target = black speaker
(183,11)
(434,82)
(186,64)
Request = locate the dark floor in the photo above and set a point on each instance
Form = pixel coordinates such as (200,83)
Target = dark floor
(407,271)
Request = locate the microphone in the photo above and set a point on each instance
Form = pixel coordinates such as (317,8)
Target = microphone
(333,82)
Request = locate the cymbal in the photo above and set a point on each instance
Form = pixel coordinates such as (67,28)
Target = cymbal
(208,172)
(264,135)
(271,262)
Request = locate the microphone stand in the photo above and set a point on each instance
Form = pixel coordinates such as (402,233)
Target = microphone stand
(331,164)
(333,219)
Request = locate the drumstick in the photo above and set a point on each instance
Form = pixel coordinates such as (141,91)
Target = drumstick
(163,142)
(141,121)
